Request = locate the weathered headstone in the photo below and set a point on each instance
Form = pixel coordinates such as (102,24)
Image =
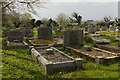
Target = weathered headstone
(98,28)
(73,38)
(118,27)
(104,28)
(92,29)
(28,32)
(112,28)
(15,35)
(5,32)
(45,32)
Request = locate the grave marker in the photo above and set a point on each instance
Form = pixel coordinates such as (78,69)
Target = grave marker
(45,32)
(73,38)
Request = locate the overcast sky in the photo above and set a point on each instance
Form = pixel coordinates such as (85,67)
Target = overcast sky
(94,9)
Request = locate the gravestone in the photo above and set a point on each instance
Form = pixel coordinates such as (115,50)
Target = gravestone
(92,29)
(45,32)
(28,32)
(112,28)
(5,32)
(118,27)
(98,28)
(15,35)
(104,28)
(73,38)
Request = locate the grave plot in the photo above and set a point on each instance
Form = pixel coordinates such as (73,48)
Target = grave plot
(110,48)
(41,42)
(15,39)
(54,60)
(45,37)
(100,40)
(94,54)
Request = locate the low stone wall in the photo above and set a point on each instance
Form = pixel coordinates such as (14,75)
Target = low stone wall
(51,67)
(97,59)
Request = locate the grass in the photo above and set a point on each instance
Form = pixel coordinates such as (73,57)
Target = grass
(35,32)
(17,63)
(109,32)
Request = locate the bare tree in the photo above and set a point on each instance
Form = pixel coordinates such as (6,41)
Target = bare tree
(107,19)
(76,18)
(23,5)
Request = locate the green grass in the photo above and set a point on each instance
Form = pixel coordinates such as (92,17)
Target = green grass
(35,32)
(109,32)
(17,63)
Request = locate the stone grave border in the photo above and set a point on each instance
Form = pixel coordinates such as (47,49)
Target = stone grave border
(107,48)
(39,45)
(96,59)
(17,46)
(51,68)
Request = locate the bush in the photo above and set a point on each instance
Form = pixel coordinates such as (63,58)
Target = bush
(88,40)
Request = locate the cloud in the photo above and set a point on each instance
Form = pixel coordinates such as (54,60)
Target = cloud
(83,0)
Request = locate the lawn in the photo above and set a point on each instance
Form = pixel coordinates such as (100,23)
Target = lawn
(17,63)
(109,32)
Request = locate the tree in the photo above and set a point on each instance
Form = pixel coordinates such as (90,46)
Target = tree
(19,6)
(107,19)
(32,22)
(38,22)
(62,20)
(13,5)
(15,20)
(76,18)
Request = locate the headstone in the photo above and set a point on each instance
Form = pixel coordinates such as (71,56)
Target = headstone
(98,28)
(104,28)
(118,27)
(112,28)
(92,29)
(45,32)
(5,32)
(15,35)
(28,32)
(73,38)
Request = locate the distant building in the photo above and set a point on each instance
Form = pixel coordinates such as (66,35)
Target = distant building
(90,21)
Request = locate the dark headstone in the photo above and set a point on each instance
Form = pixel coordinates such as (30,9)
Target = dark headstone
(104,28)
(45,32)
(15,35)
(92,29)
(73,38)
(28,32)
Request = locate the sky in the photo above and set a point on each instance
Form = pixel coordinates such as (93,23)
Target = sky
(89,10)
